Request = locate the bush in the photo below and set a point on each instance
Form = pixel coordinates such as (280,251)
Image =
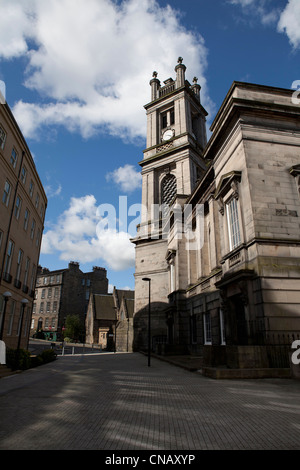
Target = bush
(22,360)
(48,355)
(68,340)
(36,361)
(18,359)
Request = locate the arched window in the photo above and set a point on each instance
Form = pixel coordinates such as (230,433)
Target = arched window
(168,189)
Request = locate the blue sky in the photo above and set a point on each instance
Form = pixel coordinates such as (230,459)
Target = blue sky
(77,80)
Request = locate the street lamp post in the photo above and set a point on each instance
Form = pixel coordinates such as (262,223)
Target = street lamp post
(6,296)
(23,302)
(147,279)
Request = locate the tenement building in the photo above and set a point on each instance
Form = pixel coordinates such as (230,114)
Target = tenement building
(61,293)
(219,238)
(22,211)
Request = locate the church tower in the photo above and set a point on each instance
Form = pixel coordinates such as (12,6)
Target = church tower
(172,164)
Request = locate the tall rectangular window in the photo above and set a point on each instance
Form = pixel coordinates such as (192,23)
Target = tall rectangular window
(233,223)
(31,188)
(222,328)
(207,328)
(13,158)
(2,138)
(32,229)
(9,255)
(27,266)
(26,219)
(6,193)
(18,207)
(23,174)
(33,276)
(11,317)
(19,265)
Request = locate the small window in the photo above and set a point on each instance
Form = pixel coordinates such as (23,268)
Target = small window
(164,120)
(172,117)
(18,207)
(222,328)
(6,193)
(26,219)
(233,223)
(32,229)
(9,255)
(2,138)
(19,264)
(11,316)
(37,200)
(207,328)
(31,188)
(38,237)
(13,158)
(42,307)
(33,277)
(27,266)
(23,174)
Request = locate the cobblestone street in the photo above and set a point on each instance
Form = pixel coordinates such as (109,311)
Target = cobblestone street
(116,402)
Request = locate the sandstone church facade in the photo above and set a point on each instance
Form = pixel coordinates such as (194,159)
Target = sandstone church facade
(219,236)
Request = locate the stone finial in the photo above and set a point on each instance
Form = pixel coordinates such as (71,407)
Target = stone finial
(195,80)
(154,75)
(180,59)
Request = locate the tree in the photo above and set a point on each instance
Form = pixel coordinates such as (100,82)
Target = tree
(73,327)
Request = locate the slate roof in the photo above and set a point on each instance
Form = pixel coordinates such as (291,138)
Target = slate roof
(104,307)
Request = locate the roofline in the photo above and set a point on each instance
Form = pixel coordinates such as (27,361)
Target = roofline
(236,84)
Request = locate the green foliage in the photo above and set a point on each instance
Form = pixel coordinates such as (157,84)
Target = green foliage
(48,355)
(73,327)
(68,340)
(22,360)
(18,359)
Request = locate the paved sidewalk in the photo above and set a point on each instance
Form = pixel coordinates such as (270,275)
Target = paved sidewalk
(116,402)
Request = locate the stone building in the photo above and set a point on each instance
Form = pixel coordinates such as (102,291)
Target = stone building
(61,293)
(109,321)
(22,212)
(220,232)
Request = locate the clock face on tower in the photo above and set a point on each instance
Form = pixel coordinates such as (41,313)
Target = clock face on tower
(168,134)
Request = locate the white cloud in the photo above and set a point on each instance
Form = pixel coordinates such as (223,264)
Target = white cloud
(127,177)
(289,22)
(91,64)
(261,9)
(287,19)
(78,235)
(52,192)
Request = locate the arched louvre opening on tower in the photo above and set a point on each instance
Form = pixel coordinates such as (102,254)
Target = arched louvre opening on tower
(168,193)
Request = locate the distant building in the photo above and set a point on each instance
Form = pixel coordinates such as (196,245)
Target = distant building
(220,232)
(61,293)
(109,321)
(22,211)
